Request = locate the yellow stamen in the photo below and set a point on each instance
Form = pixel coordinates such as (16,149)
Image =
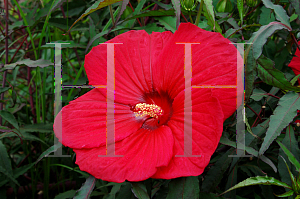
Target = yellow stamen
(152,110)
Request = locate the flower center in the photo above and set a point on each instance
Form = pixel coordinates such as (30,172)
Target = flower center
(152,110)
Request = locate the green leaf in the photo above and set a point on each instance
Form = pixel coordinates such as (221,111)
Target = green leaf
(114,190)
(96,6)
(137,10)
(17,172)
(211,20)
(283,115)
(293,17)
(265,180)
(42,128)
(210,196)
(250,72)
(4,159)
(291,157)
(176,5)
(260,37)
(184,187)
(296,6)
(8,175)
(86,189)
(249,150)
(286,194)
(48,151)
(139,190)
(9,118)
(72,169)
(168,22)
(209,8)
(102,34)
(216,172)
(65,195)
(294,80)
(153,13)
(258,94)
(2,90)
(292,145)
(270,75)
(279,12)
(30,63)
(240,6)
(266,16)
(291,175)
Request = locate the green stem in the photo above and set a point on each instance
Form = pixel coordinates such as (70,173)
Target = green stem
(191,19)
(199,13)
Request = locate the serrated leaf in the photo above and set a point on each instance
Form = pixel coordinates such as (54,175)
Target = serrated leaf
(96,6)
(265,180)
(10,118)
(260,37)
(86,189)
(184,187)
(249,150)
(279,12)
(139,190)
(168,22)
(210,8)
(30,63)
(176,6)
(283,115)
(291,157)
(211,20)
(270,75)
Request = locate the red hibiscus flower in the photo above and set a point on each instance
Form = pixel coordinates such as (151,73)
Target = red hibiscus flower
(295,63)
(149,99)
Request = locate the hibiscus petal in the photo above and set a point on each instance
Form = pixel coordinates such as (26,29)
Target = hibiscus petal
(295,63)
(207,119)
(133,60)
(82,123)
(214,62)
(143,152)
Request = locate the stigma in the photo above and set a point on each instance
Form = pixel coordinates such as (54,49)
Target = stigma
(152,110)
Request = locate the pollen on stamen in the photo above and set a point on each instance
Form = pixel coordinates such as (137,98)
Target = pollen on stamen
(152,110)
